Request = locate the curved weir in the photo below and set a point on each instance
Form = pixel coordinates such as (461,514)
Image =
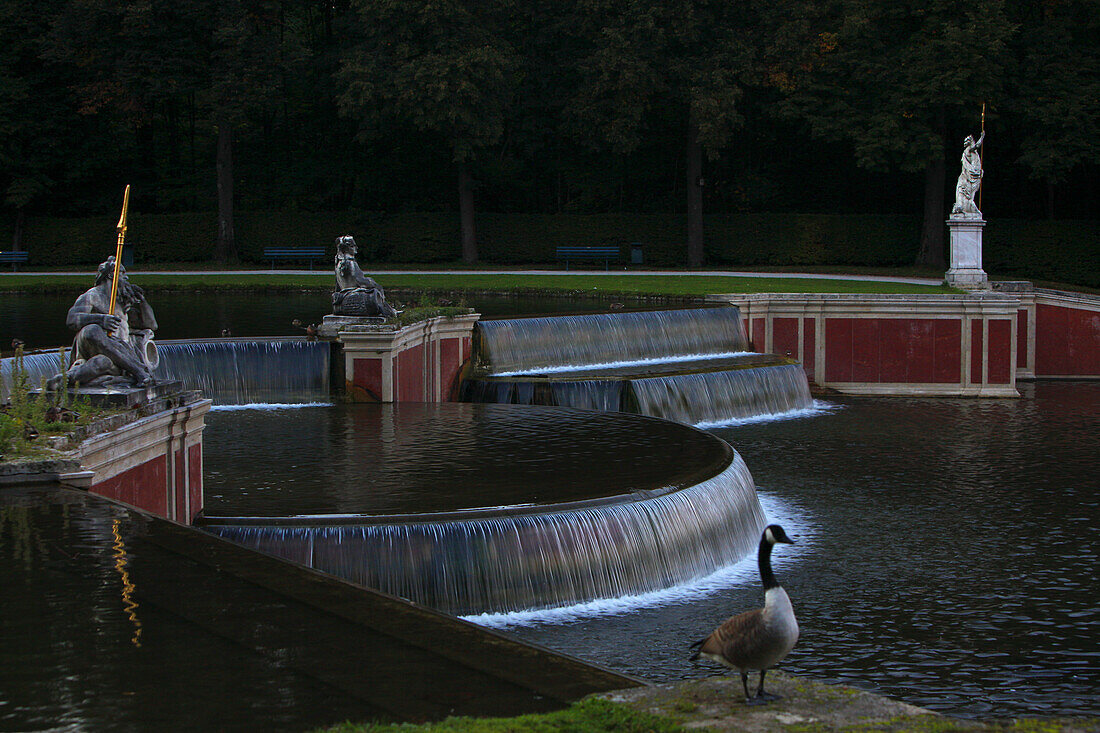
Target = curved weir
(671,505)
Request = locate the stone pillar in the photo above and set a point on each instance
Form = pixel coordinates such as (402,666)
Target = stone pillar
(966,255)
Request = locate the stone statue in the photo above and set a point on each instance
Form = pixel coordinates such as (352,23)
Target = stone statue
(970,180)
(111,347)
(356,294)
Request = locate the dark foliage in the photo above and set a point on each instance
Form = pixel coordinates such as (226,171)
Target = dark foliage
(247,124)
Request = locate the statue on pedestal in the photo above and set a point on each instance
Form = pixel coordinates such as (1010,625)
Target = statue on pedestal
(355,293)
(970,180)
(111,347)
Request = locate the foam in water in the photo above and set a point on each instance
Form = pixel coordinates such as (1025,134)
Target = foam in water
(522,561)
(652,361)
(818,407)
(268,406)
(744,571)
(274,371)
(532,344)
(689,384)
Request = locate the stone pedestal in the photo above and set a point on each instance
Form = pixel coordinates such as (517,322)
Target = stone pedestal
(417,363)
(332,325)
(966,255)
(124,396)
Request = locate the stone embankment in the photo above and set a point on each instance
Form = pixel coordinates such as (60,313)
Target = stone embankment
(807,706)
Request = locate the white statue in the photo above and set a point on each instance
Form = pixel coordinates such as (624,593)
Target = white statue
(970,180)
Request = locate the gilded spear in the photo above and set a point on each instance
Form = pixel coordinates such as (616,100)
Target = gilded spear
(118,249)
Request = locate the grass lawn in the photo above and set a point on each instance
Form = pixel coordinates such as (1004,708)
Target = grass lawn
(614,284)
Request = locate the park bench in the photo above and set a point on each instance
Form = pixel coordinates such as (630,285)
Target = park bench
(294,253)
(607,254)
(13,257)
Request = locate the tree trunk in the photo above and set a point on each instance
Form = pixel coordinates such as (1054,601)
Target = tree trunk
(931,238)
(17,233)
(1050,200)
(466,214)
(226,247)
(694,197)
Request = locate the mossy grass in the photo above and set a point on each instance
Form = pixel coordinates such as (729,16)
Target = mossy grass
(27,420)
(420,313)
(586,716)
(596,715)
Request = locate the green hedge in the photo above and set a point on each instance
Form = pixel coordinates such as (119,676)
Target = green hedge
(1065,251)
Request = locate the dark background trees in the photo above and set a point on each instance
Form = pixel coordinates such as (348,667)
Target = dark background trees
(631,107)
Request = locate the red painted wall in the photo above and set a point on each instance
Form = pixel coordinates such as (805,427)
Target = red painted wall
(976,336)
(1000,351)
(1021,339)
(1067,341)
(367,376)
(409,376)
(450,363)
(144,486)
(901,350)
(756,338)
(181,494)
(785,337)
(809,346)
(195,466)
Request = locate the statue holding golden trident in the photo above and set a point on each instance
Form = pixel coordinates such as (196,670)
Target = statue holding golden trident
(114,327)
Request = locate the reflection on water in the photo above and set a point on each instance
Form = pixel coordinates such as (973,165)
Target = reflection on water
(39,318)
(946,555)
(92,636)
(412,457)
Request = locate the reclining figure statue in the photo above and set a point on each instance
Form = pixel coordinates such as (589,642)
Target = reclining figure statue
(110,347)
(355,293)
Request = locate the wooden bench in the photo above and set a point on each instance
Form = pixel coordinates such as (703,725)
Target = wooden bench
(14,258)
(607,254)
(294,253)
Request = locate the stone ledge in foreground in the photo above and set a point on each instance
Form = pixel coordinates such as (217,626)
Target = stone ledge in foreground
(717,703)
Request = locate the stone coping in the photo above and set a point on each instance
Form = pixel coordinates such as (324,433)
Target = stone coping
(48,469)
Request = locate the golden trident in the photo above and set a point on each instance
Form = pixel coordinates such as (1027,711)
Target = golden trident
(118,249)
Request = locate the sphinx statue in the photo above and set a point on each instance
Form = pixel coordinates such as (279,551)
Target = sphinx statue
(970,180)
(355,293)
(111,347)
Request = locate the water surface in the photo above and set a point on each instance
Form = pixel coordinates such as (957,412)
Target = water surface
(946,555)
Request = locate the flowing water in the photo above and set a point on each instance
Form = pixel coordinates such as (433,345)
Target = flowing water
(250,371)
(527,345)
(373,498)
(946,555)
(689,366)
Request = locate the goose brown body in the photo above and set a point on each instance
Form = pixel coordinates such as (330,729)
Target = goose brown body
(757,640)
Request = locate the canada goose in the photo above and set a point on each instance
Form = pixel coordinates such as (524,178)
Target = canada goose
(757,639)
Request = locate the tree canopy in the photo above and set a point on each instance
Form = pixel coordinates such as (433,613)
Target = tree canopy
(582,106)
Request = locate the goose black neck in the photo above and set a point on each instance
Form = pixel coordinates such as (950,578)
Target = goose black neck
(764,559)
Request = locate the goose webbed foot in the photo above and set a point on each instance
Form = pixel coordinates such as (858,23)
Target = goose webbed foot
(761,696)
